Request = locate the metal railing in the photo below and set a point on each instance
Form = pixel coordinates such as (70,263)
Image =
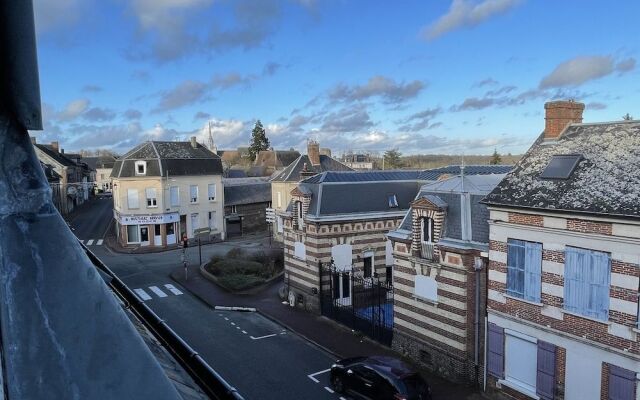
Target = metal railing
(206,377)
(427,250)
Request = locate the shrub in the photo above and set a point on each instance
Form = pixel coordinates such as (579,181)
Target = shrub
(240,282)
(235,253)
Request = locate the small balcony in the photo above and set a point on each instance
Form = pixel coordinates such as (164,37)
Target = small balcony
(427,250)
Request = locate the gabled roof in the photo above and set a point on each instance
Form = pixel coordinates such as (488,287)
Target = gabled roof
(276,158)
(292,172)
(169,158)
(246,191)
(56,156)
(605,181)
(99,162)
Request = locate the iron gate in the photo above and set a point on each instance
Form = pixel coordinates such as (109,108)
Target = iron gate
(361,303)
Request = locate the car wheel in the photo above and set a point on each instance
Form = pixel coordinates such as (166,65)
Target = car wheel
(337,384)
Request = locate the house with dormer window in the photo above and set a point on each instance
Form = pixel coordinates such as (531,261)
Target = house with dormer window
(564,264)
(439,276)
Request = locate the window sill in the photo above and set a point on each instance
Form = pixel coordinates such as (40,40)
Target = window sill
(636,330)
(425,300)
(152,206)
(519,388)
(533,303)
(194,203)
(585,317)
(212,201)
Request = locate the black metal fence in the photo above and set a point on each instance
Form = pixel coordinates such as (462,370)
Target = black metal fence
(361,303)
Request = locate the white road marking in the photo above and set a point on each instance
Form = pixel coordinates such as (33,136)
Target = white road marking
(157,291)
(89,242)
(311,376)
(328,389)
(245,332)
(226,319)
(237,327)
(263,337)
(81,240)
(233,323)
(142,294)
(342,398)
(173,289)
(99,242)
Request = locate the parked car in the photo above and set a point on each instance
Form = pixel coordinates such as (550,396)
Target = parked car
(378,378)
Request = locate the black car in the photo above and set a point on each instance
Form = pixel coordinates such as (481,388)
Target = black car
(378,378)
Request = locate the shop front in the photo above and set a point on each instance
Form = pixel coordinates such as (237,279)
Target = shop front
(157,230)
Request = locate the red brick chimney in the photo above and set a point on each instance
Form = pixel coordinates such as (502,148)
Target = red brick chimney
(559,114)
(55,147)
(313,151)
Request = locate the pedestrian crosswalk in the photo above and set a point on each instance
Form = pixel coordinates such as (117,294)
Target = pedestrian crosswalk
(92,242)
(164,291)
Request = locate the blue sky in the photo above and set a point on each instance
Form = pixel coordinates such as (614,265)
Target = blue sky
(461,76)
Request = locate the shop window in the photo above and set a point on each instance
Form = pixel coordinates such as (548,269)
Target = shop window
(133,234)
(156,230)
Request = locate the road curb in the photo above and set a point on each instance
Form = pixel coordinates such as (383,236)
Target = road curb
(227,308)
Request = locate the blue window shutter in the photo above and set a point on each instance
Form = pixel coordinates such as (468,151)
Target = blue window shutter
(622,384)
(533,271)
(515,267)
(599,285)
(574,285)
(587,282)
(546,376)
(495,351)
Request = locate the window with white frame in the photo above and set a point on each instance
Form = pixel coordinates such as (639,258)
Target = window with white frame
(427,229)
(524,269)
(132,198)
(174,195)
(211,191)
(152,200)
(587,276)
(141,167)
(193,193)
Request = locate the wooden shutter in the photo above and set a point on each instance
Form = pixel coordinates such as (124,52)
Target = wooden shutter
(546,378)
(495,351)
(533,271)
(622,384)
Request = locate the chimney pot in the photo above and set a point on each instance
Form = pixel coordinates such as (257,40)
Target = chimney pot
(313,152)
(559,114)
(194,144)
(55,146)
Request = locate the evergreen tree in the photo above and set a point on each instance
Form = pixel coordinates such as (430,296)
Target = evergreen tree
(627,117)
(259,140)
(392,159)
(495,158)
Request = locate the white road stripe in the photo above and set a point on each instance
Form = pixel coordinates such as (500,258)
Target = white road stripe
(263,337)
(342,398)
(99,242)
(89,242)
(245,332)
(173,289)
(81,240)
(311,376)
(233,323)
(226,319)
(328,389)
(142,294)
(157,291)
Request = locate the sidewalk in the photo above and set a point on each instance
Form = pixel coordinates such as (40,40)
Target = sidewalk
(334,338)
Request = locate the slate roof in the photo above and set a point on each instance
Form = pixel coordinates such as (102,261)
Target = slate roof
(50,173)
(292,172)
(172,158)
(99,162)
(236,173)
(449,191)
(364,176)
(605,181)
(246,191)
(58,157)
(276,158)
(437,173)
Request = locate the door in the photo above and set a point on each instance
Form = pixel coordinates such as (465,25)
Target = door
(144,235)
(342,288)
(582,376)
(368,264)
(171,233)
(157,237)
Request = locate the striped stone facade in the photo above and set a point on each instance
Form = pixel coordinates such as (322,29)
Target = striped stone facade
(302,276)
(615,341)
(437,333)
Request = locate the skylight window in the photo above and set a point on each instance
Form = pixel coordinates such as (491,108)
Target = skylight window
(393,201)
(561,166)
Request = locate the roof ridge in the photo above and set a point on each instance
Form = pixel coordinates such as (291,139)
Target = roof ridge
(153,146)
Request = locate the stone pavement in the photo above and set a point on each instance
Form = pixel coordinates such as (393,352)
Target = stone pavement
(323,332)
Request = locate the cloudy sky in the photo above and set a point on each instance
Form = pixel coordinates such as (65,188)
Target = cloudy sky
(422,76)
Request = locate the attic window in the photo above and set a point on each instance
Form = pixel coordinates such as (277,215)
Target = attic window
(561,166)
(393,201)
(141,167)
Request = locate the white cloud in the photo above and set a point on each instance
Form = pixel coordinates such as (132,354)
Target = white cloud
(578,70)
(467,13)
(53,14)
(72,110)
(227,133)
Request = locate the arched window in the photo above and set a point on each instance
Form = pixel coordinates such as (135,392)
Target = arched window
(427,230)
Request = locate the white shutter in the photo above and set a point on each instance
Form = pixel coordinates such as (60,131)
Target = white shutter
(174,192)
(300,251)
(151,193)
(212,191)
(193,192)
(426,287)
(342,255)
(132,198)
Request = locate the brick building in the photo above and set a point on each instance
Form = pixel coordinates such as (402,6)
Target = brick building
(439,276)
(564,265)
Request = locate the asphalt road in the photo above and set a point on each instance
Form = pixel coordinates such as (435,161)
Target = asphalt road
(260,358)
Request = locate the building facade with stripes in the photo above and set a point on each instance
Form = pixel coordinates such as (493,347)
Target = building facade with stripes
(439,276)
(564,269)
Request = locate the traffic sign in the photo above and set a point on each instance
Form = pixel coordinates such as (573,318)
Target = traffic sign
(271,215)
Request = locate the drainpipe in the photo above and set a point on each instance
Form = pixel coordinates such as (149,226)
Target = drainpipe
(477,268)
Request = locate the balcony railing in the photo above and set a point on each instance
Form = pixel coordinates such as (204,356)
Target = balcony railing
(427,250)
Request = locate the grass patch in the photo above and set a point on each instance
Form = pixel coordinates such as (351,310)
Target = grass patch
(238,271)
